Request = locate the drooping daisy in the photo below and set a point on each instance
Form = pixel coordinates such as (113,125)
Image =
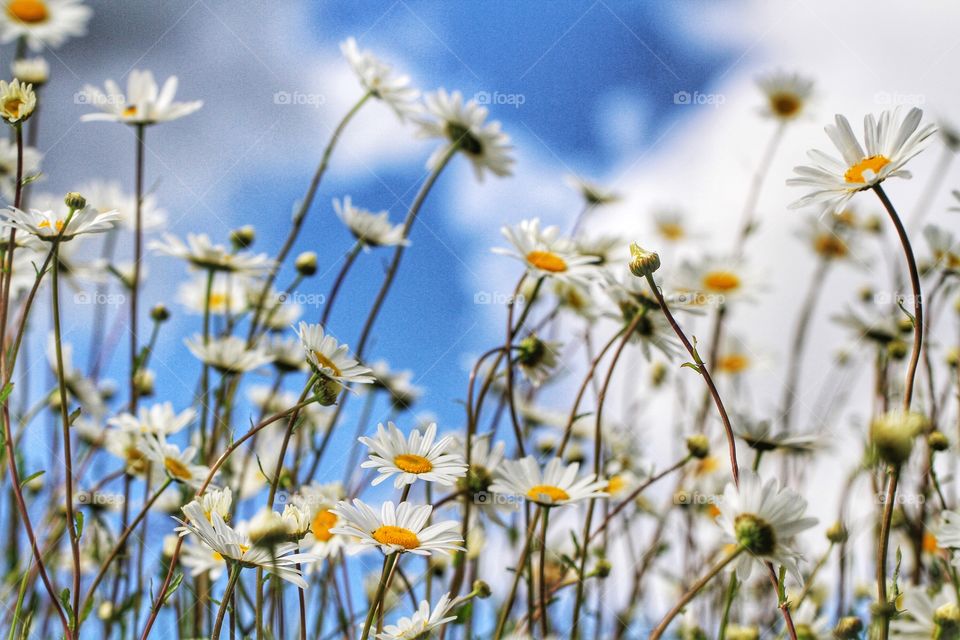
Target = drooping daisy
(546,253)
(199,251)
(715,280)
(419,457)
(537,358)
(890,143)
(287,353)
(399,384)
(829,238)
(635,303)
(485,459)
(212,531)
(330,359)
(761,436)
(485,145)
(8,165)
(787,94)
(397,529)
(422,623)
(43,22)
(944,248)
(228,354)
(175,463)
(762,518)
(608,248)
(159,419)
(379,79)
(144,103)
(925,616)
(371,229)
(809,624)
(556,485)
(49,225)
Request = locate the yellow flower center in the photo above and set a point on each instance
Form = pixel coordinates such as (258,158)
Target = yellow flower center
(671,230)
(45,224)
(553,494)
(721,281)
(829,246)
(616,484)
(326,363)
(322,523)
(733,363)
(129,111)
(388,534)
(547,261)
(412,463)
(177,469)
(707,465)
(11,107)
(785,104)
(929,542)
(873,163)
(217,556)
(217,300)
(28,11)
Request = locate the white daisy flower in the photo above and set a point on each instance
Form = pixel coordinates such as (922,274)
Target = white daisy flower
(144,103)
(17,101)
(944,247)
(890,143)
(653,330)
(715,280)
(43,23)
(199,251)
(762,518)
(537,359)
(319,501)
(399,384)
(592,193)
(199,559)
(371,229)
(229,354)
(233,545)
(177,464)
(49,225)
(925,616)
(8,166)
(787,94)
(397,529)
(35,71)
(378,78)
(422,623)
(159,419)
(556,485)
(545,253)
(760,435)
(330,359)
(485,145)
(228,296)
(110,196)
(418,457)
(672,225)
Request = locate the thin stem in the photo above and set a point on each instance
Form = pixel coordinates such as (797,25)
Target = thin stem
(348,261)
(544,618)
(727,604)
(692,593)
(389,562)
(893,476)
(137,259)
(517,573)
(225,600)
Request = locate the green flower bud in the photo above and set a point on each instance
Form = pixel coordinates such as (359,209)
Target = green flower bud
(643,263)
(75,201)
(306,263)
(837,533)
(938,441)
(893,434)
(848,628)
(243,237)
(159,313)
(755,534)
(482,589)
(698,446)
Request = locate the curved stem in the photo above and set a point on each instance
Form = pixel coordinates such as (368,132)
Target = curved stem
(348,261)
(884,622)
(225,600)
(389,562)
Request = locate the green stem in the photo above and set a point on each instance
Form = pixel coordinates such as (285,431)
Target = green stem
(225,600)
(544,622)
(727,603)
(388,562)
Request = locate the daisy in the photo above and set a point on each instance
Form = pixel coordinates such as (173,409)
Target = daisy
(485,459)
(378,78)
(652,330)
(177,464)
(8,166)
(925,616)
(422,623)
(399,384)
(762,518)
(556,485)
(233,545)
(418,457)
(227,296)
(319,501)
(593,194)
(17,101)
(398,529)
(830,239)
(545,253)
(229,354)
(759,435)
(50,225)
(787,94)
(537,358)
(891,142)
(287,353)
(485,145)
(159,420)
(199,559)
(110,196)
(330,359)
(35,71)
(944,248)
(370,229)
(200,252)
(608,248)
(144,103)
(672,225)
(715,280)
(43,22)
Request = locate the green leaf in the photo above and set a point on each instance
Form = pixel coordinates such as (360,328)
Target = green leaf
(78,518)
(73,416)
(5,392)
(692,366)
(30,477)
(174,585)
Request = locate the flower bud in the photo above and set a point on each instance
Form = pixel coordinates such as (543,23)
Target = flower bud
(698,445)
(893,433)
(482,589)
(306,263)
(643,263)
(837,533)
(75,200)
(268,529)
(159,313)
(243,237)
(848,628)
(938,441)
